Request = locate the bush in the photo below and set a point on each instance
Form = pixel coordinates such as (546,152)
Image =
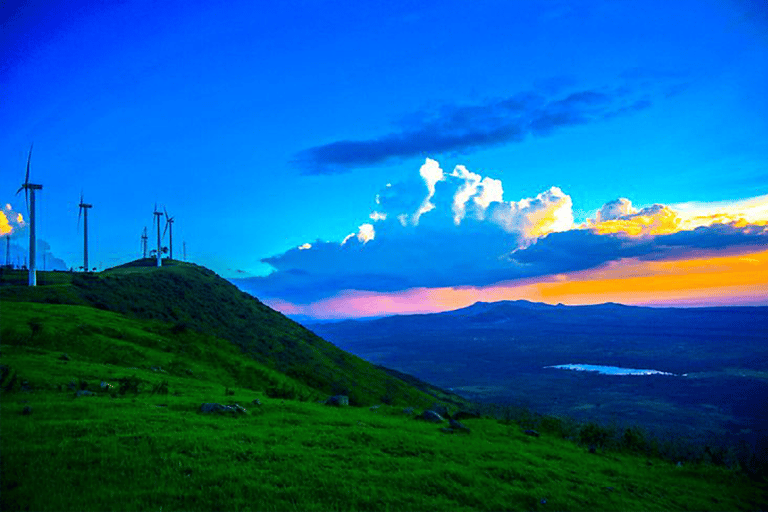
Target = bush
(129,385)
(160,389)
(594,435)
(634,440)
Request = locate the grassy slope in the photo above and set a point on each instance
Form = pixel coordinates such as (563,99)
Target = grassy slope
(154,451)
(196,299)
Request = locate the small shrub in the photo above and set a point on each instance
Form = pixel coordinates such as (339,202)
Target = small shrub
(128,385)
(36,326)
(594,435)
(633,440)
(8,378)
(281,391)
(160,389)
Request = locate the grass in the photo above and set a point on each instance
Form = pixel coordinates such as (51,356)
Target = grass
(156,452)
(139,441)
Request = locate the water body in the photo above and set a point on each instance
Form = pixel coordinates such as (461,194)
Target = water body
(607,370)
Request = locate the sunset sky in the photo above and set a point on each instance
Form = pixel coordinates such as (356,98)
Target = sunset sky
(344,159)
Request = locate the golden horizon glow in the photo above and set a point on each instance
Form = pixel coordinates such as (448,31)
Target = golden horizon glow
(706,280)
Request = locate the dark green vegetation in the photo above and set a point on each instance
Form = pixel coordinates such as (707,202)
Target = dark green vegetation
(149,355)
(498,352)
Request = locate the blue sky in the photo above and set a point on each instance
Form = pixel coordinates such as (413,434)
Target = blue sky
(265,126)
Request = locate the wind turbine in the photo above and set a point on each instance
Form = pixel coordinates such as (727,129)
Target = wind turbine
(159,249)
(144,238)
(84,208)
(169,228)
(30,197)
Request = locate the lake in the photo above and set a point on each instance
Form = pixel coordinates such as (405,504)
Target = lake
(607,370)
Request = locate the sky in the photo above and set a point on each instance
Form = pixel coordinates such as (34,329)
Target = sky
(350,159)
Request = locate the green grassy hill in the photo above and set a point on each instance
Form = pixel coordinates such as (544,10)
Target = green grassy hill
(193,299)
(145,348)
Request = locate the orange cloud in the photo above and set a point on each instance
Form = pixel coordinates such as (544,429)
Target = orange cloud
(5,226)
(620,217)
(707,280)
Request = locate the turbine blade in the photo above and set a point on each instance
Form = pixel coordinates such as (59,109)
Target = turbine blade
(26,198)
(79,214)
(29,159)
(166,229)
(166,212)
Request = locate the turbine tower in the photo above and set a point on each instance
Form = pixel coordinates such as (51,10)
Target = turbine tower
(144,238)
(84,208)
(8,250)
(159,250)
(169,228)
(30,198)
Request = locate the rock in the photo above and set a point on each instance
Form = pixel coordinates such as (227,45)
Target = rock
(533,433)
(26,386)
(239,409)
(256,402)
(233,409)
(338,401)
(455,425)
(217,408)
(374,408)
(84,392)
(464,415)
(440,409)
(409,411)
(72,385)
(64,357)
(431,416)
(27,410)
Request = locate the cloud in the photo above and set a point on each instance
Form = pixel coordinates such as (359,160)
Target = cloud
(620,216)
(548,212)
(11,222)
(454,229)
(471,127)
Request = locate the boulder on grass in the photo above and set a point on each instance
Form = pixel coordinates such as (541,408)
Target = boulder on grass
(440,409)
(216,408)
(431,416)
(458,427)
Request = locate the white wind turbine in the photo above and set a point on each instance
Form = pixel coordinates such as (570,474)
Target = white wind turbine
(169,228)
(144,238)
(84,208)
(159,249)
(30,198)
